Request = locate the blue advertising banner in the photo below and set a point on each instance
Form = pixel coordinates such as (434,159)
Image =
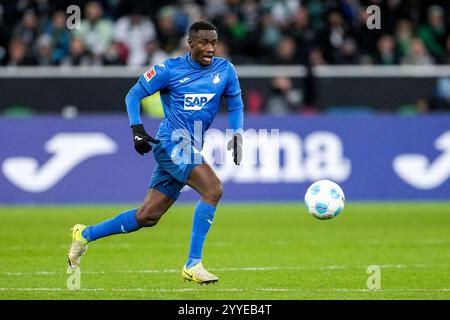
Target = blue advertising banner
(91,159)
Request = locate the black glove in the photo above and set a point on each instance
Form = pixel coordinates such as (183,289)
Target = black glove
(141,139)
(236,144)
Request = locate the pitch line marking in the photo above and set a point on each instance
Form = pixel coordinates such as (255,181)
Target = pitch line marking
(228,243)
(306,291)
(273,268)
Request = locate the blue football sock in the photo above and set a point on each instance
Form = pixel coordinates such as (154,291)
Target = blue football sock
(203,217)
(123,223)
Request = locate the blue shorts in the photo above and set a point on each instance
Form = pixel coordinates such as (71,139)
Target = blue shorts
(174,165)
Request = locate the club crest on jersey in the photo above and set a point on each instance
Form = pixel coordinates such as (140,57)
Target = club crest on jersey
(216,79)
(149,74)
(196,101)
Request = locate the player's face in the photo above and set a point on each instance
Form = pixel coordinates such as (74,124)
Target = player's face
(203,46)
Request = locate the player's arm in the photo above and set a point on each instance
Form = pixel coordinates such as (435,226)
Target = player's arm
(236,121)
(235,115)
(150,82)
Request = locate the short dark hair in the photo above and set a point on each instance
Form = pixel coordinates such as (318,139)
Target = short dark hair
(200,25)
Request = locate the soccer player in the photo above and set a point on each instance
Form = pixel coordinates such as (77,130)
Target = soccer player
(191,88)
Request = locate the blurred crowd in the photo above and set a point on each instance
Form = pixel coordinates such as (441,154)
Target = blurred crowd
(284,32)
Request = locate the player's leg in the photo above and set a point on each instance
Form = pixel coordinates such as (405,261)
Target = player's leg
(204,180)
(148,214)
(187,168)
(154,206)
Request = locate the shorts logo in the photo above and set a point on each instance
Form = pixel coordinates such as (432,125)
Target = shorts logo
(148,75)
(196,101)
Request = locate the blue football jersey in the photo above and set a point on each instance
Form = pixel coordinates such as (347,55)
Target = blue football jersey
(190,93)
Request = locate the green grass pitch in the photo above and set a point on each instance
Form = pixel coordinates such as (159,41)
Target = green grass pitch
(259,251)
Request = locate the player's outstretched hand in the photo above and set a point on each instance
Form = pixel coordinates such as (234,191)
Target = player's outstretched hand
(235,144)
(142,141)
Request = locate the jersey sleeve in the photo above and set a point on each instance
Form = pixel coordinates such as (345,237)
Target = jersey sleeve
(233,88)
(155,79)
(236,120)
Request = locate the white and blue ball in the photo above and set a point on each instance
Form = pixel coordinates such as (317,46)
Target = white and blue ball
(324,199)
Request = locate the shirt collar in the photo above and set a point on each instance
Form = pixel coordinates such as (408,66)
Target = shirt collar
(195,64)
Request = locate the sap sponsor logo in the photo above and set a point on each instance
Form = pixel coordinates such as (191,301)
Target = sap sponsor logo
(421,173)
(68,151)
(271,156)
(196,101)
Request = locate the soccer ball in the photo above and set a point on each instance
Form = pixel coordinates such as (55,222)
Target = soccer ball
(324,199)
